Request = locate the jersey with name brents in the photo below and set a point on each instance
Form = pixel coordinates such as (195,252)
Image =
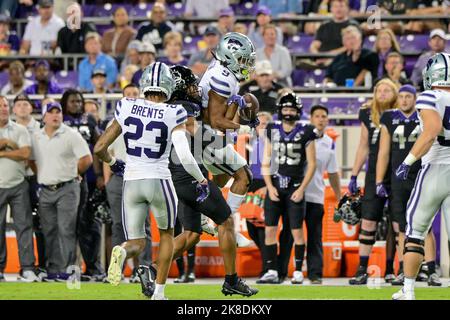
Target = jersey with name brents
(289,149)
(404,132)
(218,79)
(85,124)
(374,141)
(179,175)
(147,131)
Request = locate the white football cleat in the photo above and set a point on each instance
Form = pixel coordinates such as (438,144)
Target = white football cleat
(297,277)
(208,227)
(403,295)
(118,257)
(242,241)
(28,276)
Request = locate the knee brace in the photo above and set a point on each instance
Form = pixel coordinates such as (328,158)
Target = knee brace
(369,242)
(414,249)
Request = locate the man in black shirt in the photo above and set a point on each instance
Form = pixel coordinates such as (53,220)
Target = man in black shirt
(394,70)
(263,87)
(71,37)
(155,30)
(354,63)
(328,36)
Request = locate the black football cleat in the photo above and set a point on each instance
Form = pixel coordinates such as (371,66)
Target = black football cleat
(399,280)
(434,281)
(360,277)
(147,275)
(239,288)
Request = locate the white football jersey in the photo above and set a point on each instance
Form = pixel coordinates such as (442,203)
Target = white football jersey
(220,80)
(147,131)
(439,101)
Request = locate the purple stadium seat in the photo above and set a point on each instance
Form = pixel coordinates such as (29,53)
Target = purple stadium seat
(105,10)
(101,28)
(67,79)
(89,10)
(369,42)
(177,9)
(409,65)
(314,77)
(141,10)
(414,43)
(190,43)
(299,43)
(3,79)
(245,9)
(298,77)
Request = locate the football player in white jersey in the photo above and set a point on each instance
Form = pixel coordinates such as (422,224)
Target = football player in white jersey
(234,61)
(432,187)
(149,128)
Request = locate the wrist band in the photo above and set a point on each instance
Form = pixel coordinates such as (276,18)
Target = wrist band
(410,159)
(113,160)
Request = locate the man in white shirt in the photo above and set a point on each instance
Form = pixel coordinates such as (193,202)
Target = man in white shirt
(315,192)
(41,33)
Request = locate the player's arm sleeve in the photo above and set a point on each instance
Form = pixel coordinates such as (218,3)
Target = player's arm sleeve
(180,116)
(427,100)
(220,85)
(183,151)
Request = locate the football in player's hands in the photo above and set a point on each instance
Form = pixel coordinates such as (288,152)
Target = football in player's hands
(249,113)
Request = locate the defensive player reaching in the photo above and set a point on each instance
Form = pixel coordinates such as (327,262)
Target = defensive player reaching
(186,93)
(149,127)
(399,130)
(289,146)
(234,61)
(432,187)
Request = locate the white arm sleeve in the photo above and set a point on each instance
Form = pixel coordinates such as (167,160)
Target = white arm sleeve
(183,151)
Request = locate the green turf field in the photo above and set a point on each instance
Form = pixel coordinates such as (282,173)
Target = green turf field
(99,291)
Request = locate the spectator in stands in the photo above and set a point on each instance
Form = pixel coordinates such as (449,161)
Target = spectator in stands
(17,81)
(205,8)
(328,37)
(98,80)
(15,149)
(131,55)
(200,61)
(394,70)
(278,56)
(58,174)
(427,8)
(385,43)
(127,76)
(71,37)
(116,39)
(437,42)
(147,55)
(173,46)
(41,32)
(283,7)
(241,28)
(10,7)
(263,87)
(226,20)
(354,63)
(9,41)
(43,83)
(155,30)
(95,60)
(255,32)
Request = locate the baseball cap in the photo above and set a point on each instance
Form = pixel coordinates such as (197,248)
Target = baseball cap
(90,35)
(263,67)
(4,18)
(263,10)
(407,88)
(438,32)
(98,72)
(42,62)
(147,47)
(226,12)
(212,30)
(50,106)
(45,3)
(22,97)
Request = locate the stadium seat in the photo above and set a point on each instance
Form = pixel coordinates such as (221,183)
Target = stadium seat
(298,77)
(299,43)
(246,9)
(176,9)
(141,10)
(190,44)
(67,79)
(3,78)
(414,43)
